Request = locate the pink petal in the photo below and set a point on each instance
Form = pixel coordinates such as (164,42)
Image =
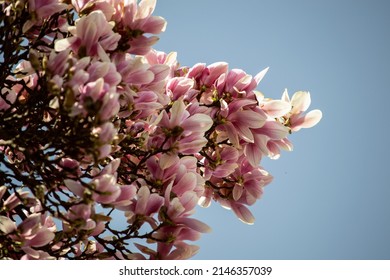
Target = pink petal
(233,77)
(243,82)
(248,118)
(197,123)
(31,223)
(167,160)
(224,170)
(285,144)
(178,112)
(193,146)
(194,224)
(276,108)
(180,86)
(186,183)
(232,134)
(274,151)
(196,70)
(143,197)
(43,237)
(243,214)
(214,71)
(140,77)
(98,70)
(253,154)
(239,104)
(189,200)
(237,192)
(245,133)
(229,153)
(155,25)
(183,252)
(154,204)
(160,71)
(128,192)
(75,187)
(273,130)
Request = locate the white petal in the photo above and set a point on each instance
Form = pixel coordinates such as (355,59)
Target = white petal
(312,118)
(261,75)
(6,225)
(62,44)
(300,102)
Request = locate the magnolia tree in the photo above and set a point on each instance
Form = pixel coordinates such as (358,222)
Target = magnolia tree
(107,145)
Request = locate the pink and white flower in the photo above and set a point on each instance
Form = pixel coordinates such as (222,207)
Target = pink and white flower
(92,36)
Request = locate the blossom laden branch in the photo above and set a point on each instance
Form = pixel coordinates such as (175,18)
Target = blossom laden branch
(97,127)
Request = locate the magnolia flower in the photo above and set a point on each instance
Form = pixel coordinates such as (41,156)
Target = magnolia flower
(104,188)
(41,9)
(186,132)
(92,36)
(144,206)
(263,137)
(239,119)
(36,231)
(134,20)
(300,102)
(222,162)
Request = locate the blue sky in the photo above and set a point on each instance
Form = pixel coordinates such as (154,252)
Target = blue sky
(330,196)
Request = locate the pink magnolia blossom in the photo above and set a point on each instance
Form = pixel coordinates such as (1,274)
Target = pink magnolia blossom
(296,118)
(15,199)
(134,20)
(239,119)
(155,57)
(41,9)
(103,188)
(85,219)
(185,132)
(36,230)
(92,36)
(222,162)
(270,132)
(181,87)
(144,207)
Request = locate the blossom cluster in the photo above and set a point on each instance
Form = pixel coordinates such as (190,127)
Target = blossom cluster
(97,126)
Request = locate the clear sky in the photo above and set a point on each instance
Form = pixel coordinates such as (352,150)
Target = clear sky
(330,198)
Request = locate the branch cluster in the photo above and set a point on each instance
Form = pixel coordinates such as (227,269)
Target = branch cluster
(96,126)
